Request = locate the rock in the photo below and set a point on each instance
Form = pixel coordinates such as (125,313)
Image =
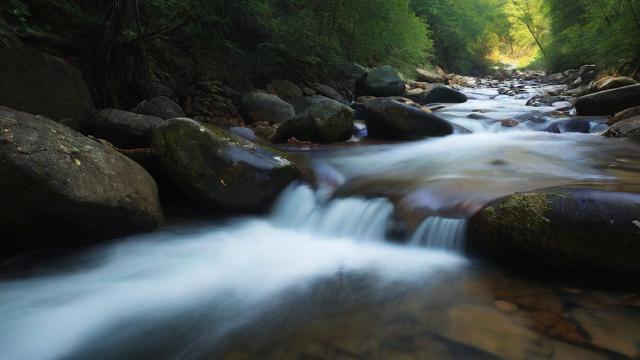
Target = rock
(122,128)
(161,107)
(308,92)
(258,106)
(570,126)
(353,71)
(329,92)
(37,83)
(428,76)
(609,82)
(628,128)
(59,187)
(211,102)
(325,121)
(579,229)
(475,116)
(625,114)
(439,94)
(609,102)
(389,119)
(219,170)
(509,122)
(284,89)
(243,132)
(381,81)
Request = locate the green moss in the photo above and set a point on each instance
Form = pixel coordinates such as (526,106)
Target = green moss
(522,216)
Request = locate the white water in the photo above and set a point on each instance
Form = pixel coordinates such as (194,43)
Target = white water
(441,233)
(230,275)
(181,293)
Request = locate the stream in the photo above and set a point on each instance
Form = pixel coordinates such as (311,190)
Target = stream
(329,273)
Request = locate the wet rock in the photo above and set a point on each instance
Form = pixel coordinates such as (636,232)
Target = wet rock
(509,122)
(570,126)
(122,128)
(547,100)
(219,170)
(243,132)
(353,71)
(59,187)
(506,306)
(381,81)
(325,121)
(475,116)
(628,128)
(610,329)
(41,84)
(257,106)
(284,89)
(428,76)
(389,119)
(625,114)
(439,94)
(579,229)
(609,82)
(329,92)
(161,107)
(609,102)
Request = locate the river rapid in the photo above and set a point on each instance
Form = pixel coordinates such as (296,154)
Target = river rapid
(330,274)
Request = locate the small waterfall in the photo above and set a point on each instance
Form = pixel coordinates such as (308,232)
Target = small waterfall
(358,218)
(441,233)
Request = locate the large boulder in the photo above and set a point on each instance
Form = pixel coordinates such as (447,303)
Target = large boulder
(219,170)
(161,107)
(627,128)
(329,92)
(387,118)
(609,82)
(438,94)
(122,128)
(381,81)
(325,121)
(37,83)
(258,106)
(60,188)
(428,76)
(352,71)
(609,102)
(624,114)
(284,89)
(579,229)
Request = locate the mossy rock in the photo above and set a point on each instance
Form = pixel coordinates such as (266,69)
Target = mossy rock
(324,121)
(585,230)
(381,81)
(60,188)
(219,170)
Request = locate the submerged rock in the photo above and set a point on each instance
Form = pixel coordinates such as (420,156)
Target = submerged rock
(324,121)
(381,81)
(59,187)
(579,229)
(122,128)
(41,84)
(389,119)
(609,102)
(570,126)
(161,107)
(219,170)
(258,106)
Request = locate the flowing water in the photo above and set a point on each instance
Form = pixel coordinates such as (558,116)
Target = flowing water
(330,273)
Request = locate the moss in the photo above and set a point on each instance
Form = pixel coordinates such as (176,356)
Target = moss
(521,216)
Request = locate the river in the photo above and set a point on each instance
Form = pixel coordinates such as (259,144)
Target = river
(368,264)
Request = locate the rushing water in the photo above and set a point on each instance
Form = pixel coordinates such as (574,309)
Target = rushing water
(319,277)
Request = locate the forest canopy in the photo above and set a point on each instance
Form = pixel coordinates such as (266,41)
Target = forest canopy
(231,39)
